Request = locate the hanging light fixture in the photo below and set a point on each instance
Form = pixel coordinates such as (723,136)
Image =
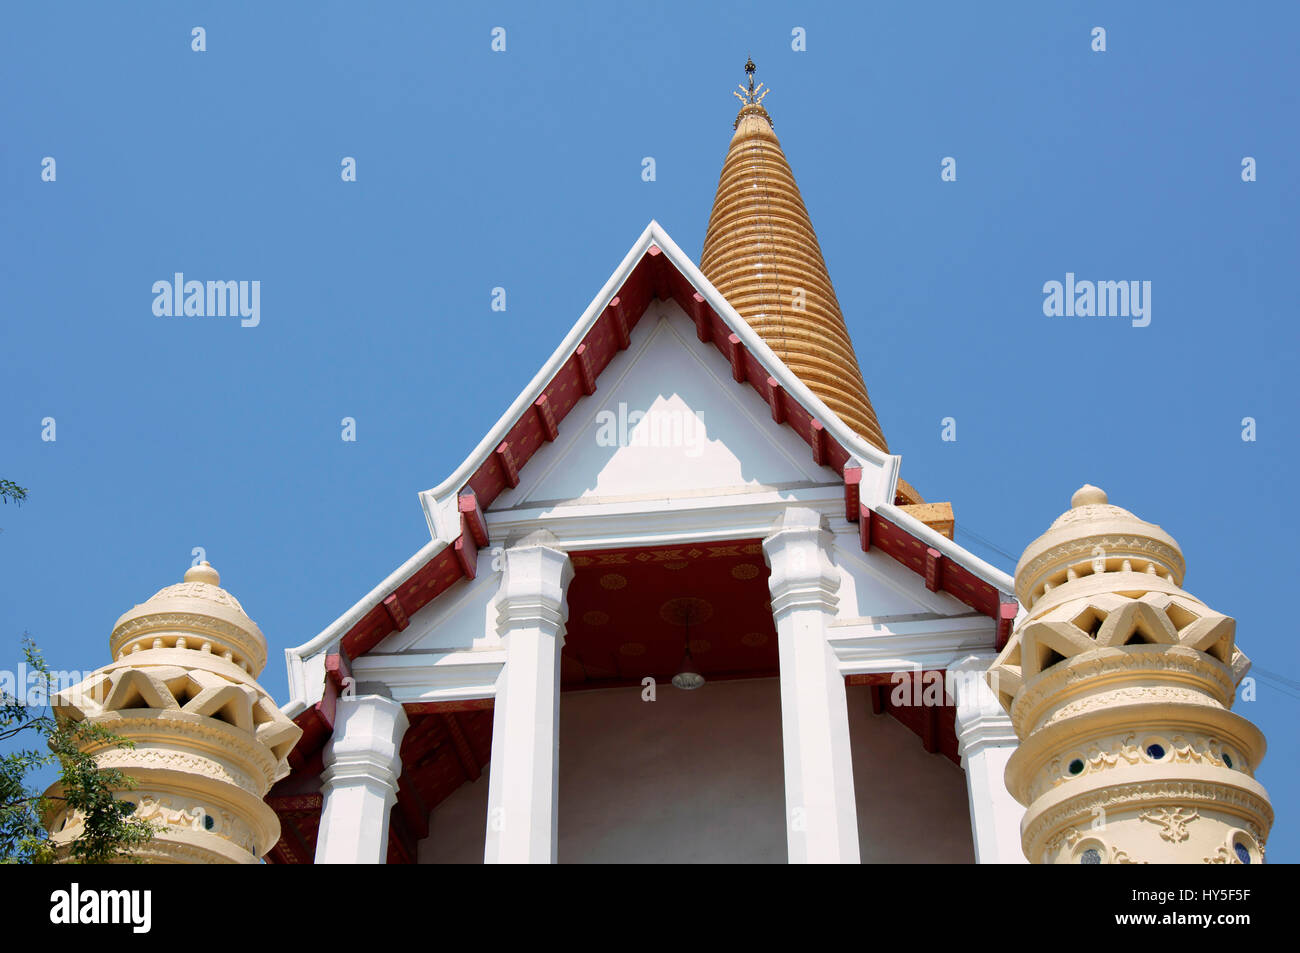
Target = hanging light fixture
(687,678)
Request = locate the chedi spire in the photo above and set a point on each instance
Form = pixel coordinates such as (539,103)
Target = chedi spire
(761,252)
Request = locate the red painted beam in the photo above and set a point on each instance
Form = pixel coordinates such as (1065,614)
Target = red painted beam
(776,399)
(509,469)
(1006,618)
(659,265)
(737,358)
(467,554)
(294,803)
(394,606)
(327,706)
(419,742)
(618,318)
(852,492)
(293,845)
(703,320)
(413,808)
(883,679)
(400,840)
(471,516)
(586,373)
(464,753)
(314,732)
(464,704)
(308,763)
(864,527)
(300,842)
(933,569)
(819,443)
(546,416)
(337,670)
(315,764)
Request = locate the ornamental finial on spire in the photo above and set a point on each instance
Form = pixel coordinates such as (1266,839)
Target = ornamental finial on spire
(751,96)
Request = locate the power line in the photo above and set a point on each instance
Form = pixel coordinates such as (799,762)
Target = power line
(987,543)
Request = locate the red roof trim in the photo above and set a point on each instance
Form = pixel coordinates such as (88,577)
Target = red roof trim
(941,574)
(654,276)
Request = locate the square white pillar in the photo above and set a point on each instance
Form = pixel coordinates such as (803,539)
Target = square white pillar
(362,765)
(821,810)
(986,740)
(523,782)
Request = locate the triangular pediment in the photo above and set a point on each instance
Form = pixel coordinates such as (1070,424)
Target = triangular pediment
(667,419)
(662,401)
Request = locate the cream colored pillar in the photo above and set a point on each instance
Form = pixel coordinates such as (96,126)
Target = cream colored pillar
(523,783)
(208,740)
(363,763)
(1119,684)
(821,810)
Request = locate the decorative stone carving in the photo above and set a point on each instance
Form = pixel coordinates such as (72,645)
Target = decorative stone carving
(1119,683)
(208,740)
(1173,821)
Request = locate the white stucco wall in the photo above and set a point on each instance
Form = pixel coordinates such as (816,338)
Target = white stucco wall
(912,805)
(696,777)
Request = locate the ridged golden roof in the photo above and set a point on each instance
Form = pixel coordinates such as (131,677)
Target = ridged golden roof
(762,254)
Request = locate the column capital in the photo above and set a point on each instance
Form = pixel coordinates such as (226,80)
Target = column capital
(363,763)
(986,740)
(366,747)
(798,552)
(534,584)
(523,783)
(981,720)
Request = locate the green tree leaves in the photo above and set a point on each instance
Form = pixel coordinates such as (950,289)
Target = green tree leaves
(108,831)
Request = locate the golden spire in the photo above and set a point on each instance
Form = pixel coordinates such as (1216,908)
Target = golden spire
(760,251)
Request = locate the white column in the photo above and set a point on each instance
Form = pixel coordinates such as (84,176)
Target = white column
(523,781)
(986,741)
(821,811)
(362,764)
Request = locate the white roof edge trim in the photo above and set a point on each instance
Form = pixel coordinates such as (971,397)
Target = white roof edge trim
(430,500)
(855,445)
(654,234)
(967,560)
(548,370)
(339,627)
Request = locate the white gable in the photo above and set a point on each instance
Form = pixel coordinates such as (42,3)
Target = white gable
(666,419)
(669,448)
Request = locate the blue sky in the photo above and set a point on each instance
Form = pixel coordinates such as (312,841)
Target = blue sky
(522,169)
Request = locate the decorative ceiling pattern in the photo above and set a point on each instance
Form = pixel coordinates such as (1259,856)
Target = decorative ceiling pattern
(631,612)
(616,633)
(441,750)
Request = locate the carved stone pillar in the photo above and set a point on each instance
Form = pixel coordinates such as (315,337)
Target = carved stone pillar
(523,782)
(986,740)
(821,811)
(362,765)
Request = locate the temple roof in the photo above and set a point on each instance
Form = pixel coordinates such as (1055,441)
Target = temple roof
(655,267)
(456,510)
(761,253)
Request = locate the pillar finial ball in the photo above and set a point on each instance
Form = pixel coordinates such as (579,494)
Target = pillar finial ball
(1086,495)
(203,572)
